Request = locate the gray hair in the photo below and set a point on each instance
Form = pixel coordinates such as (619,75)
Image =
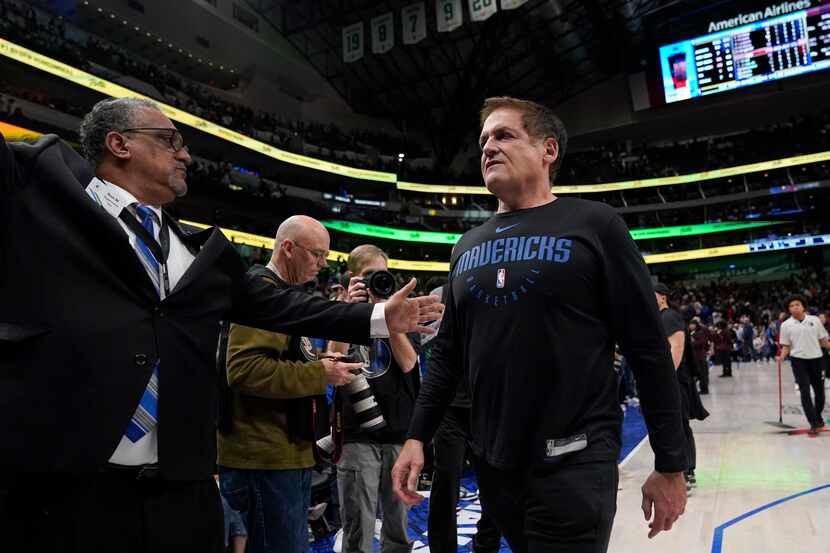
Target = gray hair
(112,114)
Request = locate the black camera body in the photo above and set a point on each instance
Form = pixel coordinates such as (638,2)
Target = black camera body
(381,283)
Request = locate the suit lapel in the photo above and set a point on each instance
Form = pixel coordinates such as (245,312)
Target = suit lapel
(70,176)
(207,245)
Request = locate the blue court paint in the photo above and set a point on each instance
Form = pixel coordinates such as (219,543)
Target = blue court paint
(717,540)
(633,431)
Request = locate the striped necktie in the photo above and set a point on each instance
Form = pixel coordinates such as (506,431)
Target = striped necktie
(145,417)
(152,256)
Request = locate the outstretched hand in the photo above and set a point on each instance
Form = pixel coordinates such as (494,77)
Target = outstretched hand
(404,314)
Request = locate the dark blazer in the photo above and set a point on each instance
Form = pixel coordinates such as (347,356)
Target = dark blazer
(81,324)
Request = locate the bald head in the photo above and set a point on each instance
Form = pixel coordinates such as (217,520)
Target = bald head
(300,249)
(298,227)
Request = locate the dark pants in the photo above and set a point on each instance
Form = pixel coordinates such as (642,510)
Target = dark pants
(685,407)
(725,359)
(113,512)
(568,510)
(628,387)
(703,373)
(451,442)
(807,373)
(748,352)
(690,444)
(275,503)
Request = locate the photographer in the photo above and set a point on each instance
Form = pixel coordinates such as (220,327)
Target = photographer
(373,443)
(277,382)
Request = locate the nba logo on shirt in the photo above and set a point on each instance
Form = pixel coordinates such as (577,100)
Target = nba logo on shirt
(500,278)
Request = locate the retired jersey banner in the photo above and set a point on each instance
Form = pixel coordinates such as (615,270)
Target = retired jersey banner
(383,33)
(414,23)
(449,15)
(512,4)
(353,42)
(481,10)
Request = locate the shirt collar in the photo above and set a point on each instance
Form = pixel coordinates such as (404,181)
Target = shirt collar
(113,198)
(273,268)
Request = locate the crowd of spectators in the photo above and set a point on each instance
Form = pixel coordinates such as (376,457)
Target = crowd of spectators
(759,301)
(734,322)
(618,161)
(247,200)
(48,35)
(626,160)
(753,311)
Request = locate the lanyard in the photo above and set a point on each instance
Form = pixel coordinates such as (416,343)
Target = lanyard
(151,243)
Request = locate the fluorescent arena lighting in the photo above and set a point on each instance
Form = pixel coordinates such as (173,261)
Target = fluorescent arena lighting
(429,237)
(88,80)
(12,132)
(670,257)
(82,78)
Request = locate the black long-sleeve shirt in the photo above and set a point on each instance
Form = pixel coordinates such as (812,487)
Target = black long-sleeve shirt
(536,301)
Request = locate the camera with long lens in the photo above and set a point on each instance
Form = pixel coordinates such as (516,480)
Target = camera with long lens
(381,283)
(366,409)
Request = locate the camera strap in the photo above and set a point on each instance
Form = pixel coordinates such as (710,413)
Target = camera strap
(337,433)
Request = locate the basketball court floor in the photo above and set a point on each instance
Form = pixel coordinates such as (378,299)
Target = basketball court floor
(759,489)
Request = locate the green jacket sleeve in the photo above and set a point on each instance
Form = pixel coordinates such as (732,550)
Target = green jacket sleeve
(255,368)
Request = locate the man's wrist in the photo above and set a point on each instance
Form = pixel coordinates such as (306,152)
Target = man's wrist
(673,464)
(378,327)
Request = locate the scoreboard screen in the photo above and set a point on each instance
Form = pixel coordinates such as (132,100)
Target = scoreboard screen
(765,50)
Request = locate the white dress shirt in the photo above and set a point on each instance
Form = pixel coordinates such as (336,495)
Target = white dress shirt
(113,199)
(377,325)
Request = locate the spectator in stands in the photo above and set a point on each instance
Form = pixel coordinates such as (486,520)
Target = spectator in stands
(724,340)
(701,341)
(758,343)
(770,341)
(747,340)
(278,384)
(10,110)
(802,339)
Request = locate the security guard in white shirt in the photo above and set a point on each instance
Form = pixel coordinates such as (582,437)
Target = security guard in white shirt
(802,337)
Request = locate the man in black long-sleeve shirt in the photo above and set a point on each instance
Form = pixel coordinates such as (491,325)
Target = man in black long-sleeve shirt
(537,298)
(451,443)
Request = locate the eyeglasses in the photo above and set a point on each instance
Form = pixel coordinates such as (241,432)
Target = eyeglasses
(320,255)
(172,136)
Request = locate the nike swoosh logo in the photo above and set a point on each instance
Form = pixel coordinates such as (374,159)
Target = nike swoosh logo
(502,229)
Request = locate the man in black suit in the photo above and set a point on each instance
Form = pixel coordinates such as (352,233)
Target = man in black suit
(109,319)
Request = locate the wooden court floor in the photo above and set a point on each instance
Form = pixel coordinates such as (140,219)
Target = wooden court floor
(759,489)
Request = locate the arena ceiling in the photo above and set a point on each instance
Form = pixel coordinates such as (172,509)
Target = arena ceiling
(546,50)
